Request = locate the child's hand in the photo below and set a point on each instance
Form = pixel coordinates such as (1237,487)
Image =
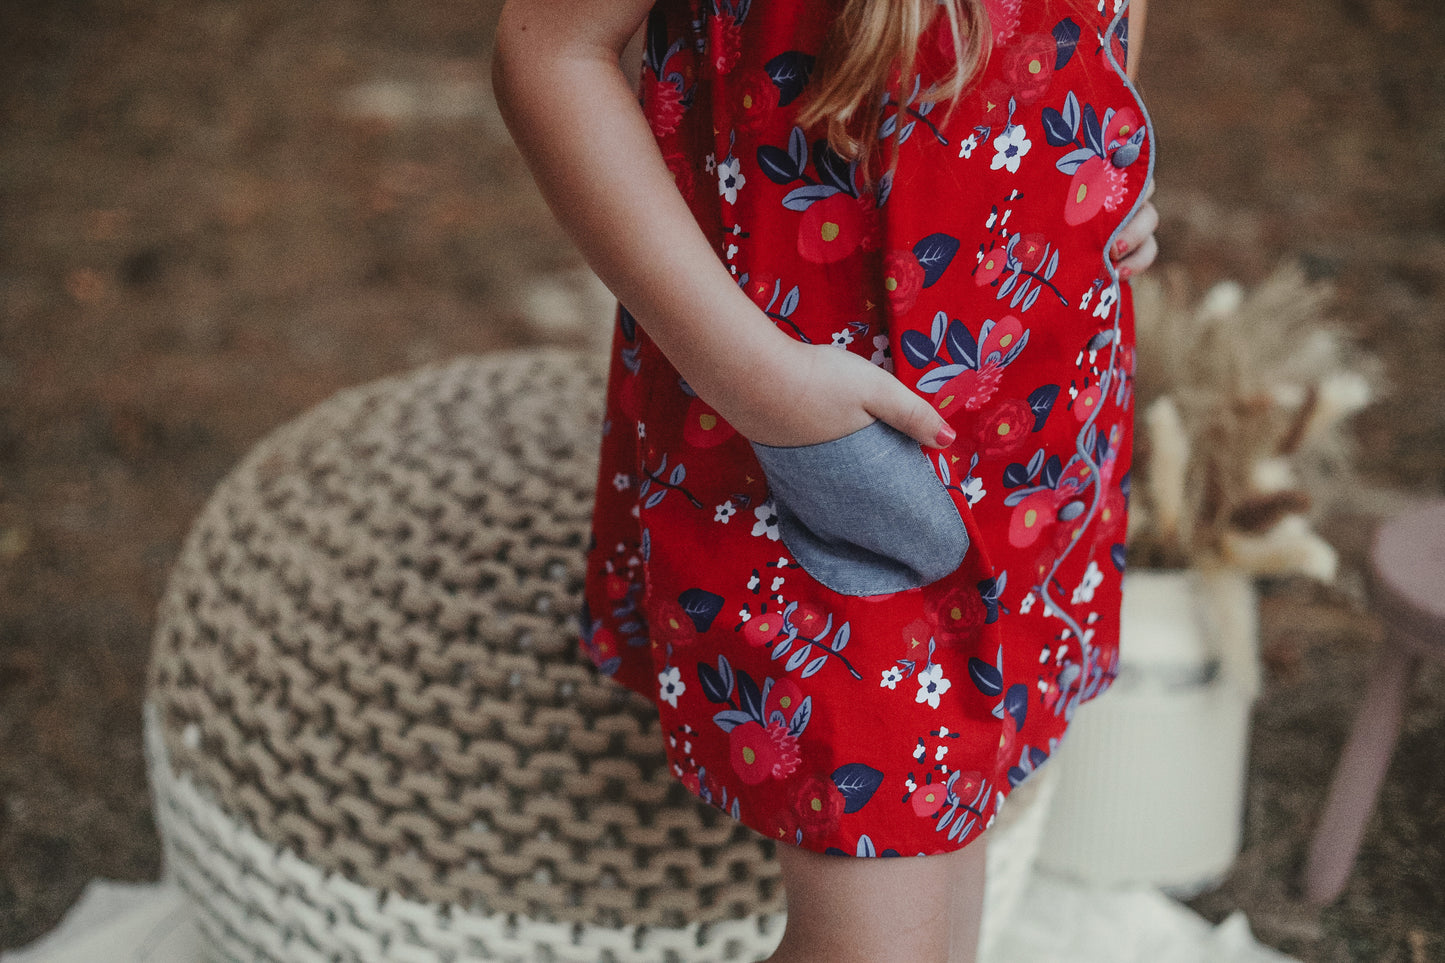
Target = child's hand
(1135,248)
(807,394)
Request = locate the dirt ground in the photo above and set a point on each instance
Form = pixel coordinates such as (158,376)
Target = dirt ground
(214,214)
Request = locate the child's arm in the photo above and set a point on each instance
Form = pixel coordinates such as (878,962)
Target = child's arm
(579,127)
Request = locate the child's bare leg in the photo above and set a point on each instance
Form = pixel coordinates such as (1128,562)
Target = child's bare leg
(924,909)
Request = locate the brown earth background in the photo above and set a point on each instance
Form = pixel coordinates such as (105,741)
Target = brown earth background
(215,214)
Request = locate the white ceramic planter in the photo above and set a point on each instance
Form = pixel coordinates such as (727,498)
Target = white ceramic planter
(1151,776)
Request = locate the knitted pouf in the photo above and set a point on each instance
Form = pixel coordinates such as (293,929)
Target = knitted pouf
(371,734)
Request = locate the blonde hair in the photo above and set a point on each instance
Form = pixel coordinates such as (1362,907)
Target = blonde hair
(868,41)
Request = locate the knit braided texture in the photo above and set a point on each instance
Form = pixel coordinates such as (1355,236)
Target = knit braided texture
(367,654)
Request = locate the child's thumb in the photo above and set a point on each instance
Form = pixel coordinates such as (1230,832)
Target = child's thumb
(912,415)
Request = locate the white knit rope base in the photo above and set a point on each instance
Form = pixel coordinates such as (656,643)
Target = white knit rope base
(261,902)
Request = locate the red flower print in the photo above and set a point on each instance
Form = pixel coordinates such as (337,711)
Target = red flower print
(760,752)
(958,613)
(673,626)
(995,102)
(830,229)
(928,800)
(604,645)
(967,785)
(784,697)
(763,629)
(782,825)
(704,428)
(1003,17)
(902,279)
(969,391)
(991,266)
(1030,67)
(1121,126)
(917,633)
(759,290)
(756,101)
(1030,517)
(809,619)
(1029,249)
(818,804)
(724,42)
(617,586)
(662,102)
(1004,428)
(1097,185)
(1002,337)
(1087,401)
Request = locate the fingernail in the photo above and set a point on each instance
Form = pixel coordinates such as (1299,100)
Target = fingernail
(1120,249)
(946,436)
(1125,273)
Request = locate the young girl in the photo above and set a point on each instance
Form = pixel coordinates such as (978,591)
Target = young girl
(860,518)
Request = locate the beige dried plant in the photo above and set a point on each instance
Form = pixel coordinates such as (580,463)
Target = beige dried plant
(1240,400)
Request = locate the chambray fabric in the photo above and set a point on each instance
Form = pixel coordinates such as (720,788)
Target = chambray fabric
(865,514)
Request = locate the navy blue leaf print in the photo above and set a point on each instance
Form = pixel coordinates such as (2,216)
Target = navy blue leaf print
(1124,483)
(986,678)
(1015,475)
(935,252)
(750,697)
(713,685)
(1016,703)
(1016,776)
(1037,756)
(1066,35)
(789,72)
(656,52)
(701,606)
(628,323)
(1093,132)
(917,348)
(832,167)
(1056,130)
(1041,400)
(990,589)
(798,149)
(1116,555)
(777,165)
(1053,471)
(961,346)
(857,782)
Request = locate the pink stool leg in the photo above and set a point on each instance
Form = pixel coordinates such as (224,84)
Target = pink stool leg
(1357,779)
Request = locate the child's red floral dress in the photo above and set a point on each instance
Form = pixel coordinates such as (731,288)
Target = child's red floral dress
(860,647)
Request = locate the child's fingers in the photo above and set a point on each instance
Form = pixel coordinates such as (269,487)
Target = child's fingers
(1139,259)
(911,415)
(1136,233)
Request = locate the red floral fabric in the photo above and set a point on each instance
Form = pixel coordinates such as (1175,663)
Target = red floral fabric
(977,273)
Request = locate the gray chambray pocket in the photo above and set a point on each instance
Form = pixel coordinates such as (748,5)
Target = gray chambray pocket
(865,514)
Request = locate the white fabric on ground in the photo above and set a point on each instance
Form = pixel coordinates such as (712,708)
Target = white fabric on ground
(1056,922)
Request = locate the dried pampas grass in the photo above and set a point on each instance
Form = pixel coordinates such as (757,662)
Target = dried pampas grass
(1241,399)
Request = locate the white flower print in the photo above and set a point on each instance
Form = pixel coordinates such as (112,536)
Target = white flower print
(842,338)
(672,686)
(882,353)
(1011,145)
(767,521)
(641,430)
(730,178)
(967,146)
(1106,301)
(1027,603)
(621,481)
(973,490)
(931,685)
(709,163)
(724,512)
(1093,578)
(744,614)
(778,581)
(891,677)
